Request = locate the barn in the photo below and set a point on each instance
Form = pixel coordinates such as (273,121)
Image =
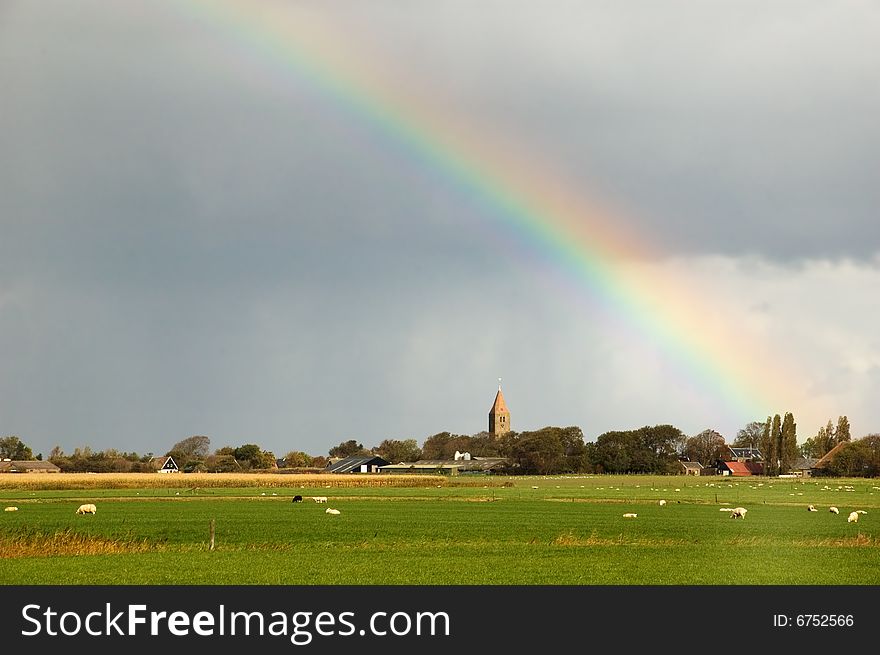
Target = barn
(474,465)
(27,466)
(357,464)
(741,469)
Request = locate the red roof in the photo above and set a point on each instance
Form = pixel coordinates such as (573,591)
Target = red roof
(738,468)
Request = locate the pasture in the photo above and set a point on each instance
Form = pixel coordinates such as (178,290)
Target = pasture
(564,530)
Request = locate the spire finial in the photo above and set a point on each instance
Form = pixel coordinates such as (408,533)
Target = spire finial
(499,384)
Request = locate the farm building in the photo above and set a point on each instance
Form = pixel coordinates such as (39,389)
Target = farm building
(357,464)
(691,468)
(741,469)
(165,464)
(447,466)
(27,466)
(803,466)
(825,460)
(745,454)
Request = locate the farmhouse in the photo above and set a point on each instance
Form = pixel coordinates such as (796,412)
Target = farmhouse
(741,469)
(745,454)
(803,467)
(27,466)
(164,464)
(691,468)
(357,464)
(825,460)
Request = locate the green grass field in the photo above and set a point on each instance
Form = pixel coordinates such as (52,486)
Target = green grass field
(568,530)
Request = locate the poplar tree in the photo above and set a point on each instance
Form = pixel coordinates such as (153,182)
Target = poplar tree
(842,433)
(788,447)
(775,439)
(764,444)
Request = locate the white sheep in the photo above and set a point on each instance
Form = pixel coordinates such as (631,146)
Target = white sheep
(332,511)
(812,509)
(834,510)
(630,516)
(10,509)
(87,509)
(662,503)
(861,511)
(853,517)
(320,499)
(738,513)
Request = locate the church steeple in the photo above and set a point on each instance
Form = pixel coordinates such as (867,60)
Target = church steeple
(499,416)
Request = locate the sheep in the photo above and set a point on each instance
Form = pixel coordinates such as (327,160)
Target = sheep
(630,516)
(726,509)
(87,509)
(11,509)
(297,499)
(861,511)
(320,499)
(834,510)
(853,517)
(332,511)
(662,503)
(812,509)
(738,513)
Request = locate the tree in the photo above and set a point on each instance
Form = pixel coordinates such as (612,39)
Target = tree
(749,436)
(830,436)
(772,458)
(766,445)
(298,460)
(548,450)
(190,452)
(646,450)
(857,458)
(395,450)
(842,433)
(222,462)
(347,449)
(707,447)
(196,447)
(810,448)
(252,456)
(538,453)
(11,447)
(827,438)
(788,447)
(444,444)
(484,444)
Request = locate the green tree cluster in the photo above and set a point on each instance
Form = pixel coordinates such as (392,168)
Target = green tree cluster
(707,447)
(645,450)
(859,458)
(12,447)
(827,438)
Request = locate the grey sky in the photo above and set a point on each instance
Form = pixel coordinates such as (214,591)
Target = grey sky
(193,240)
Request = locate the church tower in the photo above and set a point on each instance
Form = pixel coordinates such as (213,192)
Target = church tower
(499,417)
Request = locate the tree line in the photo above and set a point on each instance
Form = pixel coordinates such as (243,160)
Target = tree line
(654,449)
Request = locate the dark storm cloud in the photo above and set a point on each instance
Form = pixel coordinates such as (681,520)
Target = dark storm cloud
(193,239)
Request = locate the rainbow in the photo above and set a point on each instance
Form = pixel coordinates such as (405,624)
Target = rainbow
(534,208)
